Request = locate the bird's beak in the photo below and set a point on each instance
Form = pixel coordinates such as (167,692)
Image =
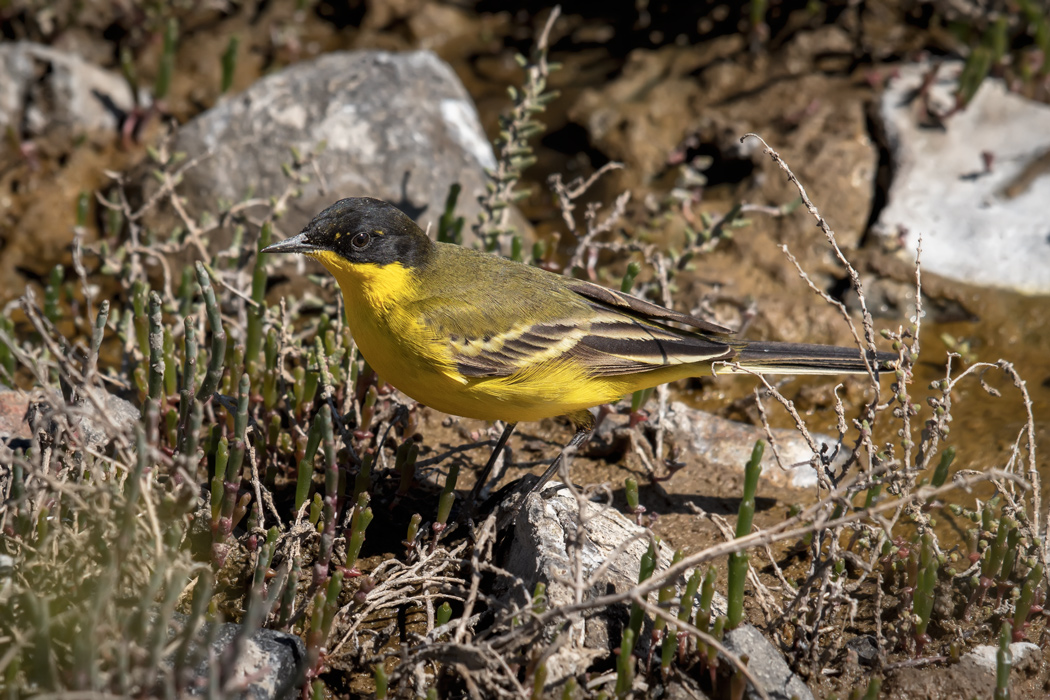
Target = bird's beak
(295,244)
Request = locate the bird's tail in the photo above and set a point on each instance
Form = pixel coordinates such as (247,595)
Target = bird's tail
(803,358)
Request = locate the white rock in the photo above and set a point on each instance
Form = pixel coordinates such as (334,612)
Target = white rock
(973,230)
(985,656)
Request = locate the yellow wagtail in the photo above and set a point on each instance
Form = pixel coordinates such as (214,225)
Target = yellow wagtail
(480,336)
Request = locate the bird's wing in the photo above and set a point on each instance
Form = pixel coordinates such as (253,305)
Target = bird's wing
(606,338)
(639,307)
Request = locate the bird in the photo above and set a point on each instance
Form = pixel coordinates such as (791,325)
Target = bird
(477,335)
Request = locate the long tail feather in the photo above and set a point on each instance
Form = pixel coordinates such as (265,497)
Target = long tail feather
(803,358)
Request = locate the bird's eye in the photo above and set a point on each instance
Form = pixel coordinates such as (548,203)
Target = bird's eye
(360,240)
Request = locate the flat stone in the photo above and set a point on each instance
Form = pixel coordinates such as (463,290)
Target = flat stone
(980,225)
(724,444)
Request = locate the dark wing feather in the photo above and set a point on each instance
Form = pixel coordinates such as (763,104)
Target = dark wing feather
(641,307)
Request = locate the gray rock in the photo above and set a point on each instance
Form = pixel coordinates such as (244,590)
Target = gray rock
(866,647)
(766,664)
(539,552)
(981,225)
(266,668)
(268,663)
(726,444)
(397,126)
(98,433)
(48,92)
(83,417)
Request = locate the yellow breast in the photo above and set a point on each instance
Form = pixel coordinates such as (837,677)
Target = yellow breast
(394,343)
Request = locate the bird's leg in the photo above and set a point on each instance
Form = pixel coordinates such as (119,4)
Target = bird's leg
(508,428)
(583,433)
(581,436)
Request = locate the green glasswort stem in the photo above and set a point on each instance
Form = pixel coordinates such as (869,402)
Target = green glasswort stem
(442,615)
(381,681)
(625,664)
(413,528)
(1003,663)
(306,464)
(167,60)
(448,495)
(229,63)
(645,570)
(1024,601)
(358,524)
(222,456)
(738,561)
(940,474)
(630,490)
(257,311)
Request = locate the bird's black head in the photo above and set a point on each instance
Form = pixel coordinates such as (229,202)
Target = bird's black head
(361,231)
